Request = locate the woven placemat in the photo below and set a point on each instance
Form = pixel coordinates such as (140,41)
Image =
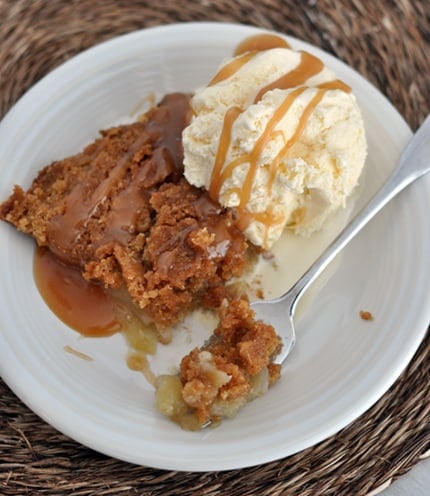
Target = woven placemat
(386,41)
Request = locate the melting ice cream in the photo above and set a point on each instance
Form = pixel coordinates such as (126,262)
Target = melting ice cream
(276,136)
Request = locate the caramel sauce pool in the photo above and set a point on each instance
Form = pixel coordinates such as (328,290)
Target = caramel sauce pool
(85,307)
(93,311)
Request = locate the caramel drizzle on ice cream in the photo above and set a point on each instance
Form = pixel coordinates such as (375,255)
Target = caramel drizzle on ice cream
(260,42)
(245,51)
(232,67)
(308,67)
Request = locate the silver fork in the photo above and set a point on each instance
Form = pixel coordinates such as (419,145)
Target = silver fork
(414,162)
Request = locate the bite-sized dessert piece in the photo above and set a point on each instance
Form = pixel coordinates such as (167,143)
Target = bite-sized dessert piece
(234,367)
(122,212)
(278,137)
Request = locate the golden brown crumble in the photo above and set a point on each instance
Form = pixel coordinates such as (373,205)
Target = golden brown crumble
(122,212)
(219,378)
(366,315)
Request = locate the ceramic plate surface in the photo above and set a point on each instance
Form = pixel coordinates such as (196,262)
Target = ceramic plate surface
(341,364)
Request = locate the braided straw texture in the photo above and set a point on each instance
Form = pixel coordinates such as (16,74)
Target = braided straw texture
(387,41)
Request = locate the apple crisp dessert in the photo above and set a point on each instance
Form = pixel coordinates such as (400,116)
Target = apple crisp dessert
(123,215)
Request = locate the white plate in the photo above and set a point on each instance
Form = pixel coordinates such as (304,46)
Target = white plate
(341,364)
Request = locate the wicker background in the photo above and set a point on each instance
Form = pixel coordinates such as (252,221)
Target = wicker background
(386,41)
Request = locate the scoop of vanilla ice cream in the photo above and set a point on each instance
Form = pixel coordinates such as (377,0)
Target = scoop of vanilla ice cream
(277,137)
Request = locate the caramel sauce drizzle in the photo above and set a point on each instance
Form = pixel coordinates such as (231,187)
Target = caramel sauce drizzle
(245,51)
(231,68)
(297,133)
(65,230)
(308,67)
(261,42)
(336,84)
(252,157)
(82,207)
(224,142)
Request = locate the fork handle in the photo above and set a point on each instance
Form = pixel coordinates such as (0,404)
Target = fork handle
(414,162)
